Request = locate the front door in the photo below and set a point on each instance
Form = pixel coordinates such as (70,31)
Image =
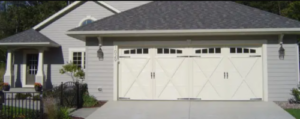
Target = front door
(31,68)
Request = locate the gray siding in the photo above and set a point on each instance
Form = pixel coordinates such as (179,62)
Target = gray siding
(99,74)
(56,32)
(282,74)
(126,5)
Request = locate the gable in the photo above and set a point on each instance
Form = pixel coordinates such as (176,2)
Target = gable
(69,8)
(57,28)
(126,5)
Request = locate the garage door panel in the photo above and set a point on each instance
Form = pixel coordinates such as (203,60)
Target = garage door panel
(208,92)
(137,91)
(206,65)
(214,80)
(134,80)
(243,93)
(171,78)
(254,79)
(242,65)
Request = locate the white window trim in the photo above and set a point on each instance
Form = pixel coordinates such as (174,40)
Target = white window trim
(71,50)
(86,18)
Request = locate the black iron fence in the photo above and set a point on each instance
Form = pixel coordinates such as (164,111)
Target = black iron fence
(21,105)
(69,94)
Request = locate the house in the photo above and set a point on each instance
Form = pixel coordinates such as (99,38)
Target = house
(162,50)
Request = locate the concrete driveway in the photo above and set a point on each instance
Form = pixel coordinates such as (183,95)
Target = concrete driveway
(189,110)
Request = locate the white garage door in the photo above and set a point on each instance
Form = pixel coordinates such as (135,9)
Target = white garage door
(212,73)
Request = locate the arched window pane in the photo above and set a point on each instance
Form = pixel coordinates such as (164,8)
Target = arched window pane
(86,22)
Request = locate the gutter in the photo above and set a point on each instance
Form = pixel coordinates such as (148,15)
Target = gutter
(196,32)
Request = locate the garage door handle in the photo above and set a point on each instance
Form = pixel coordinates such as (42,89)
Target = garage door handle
(151,75)
(227,75)
(154,75)
(224,75)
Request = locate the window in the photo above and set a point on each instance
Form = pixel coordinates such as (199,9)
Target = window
(86,22)
(168,51)
(239,50)
(208,51)
(77,56)
(88,19)
(136,51)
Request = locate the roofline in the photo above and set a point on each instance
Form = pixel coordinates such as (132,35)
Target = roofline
(257,31)
(29,44)
(62,11)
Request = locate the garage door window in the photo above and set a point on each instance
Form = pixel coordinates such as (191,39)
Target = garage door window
(208,51)
(234,50)
(168,51)
(137,51)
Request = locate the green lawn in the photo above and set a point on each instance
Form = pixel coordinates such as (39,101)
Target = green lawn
(14,112)
(294,112)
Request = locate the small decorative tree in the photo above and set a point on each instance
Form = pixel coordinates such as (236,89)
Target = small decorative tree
(74,71)
(296,94)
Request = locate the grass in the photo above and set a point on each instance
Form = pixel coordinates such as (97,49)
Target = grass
(294,112)
(16,112)
(2,71)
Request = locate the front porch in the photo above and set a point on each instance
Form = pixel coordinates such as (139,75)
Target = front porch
(25,59)
(31,69)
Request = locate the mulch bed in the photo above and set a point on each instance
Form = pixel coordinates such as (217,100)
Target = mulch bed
(76,117)
(99,104)
(287,105)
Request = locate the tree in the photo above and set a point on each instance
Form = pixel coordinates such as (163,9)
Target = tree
(74,71)
(292,11)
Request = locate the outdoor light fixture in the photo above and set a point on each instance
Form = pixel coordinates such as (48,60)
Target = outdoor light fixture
(100,53)
(281,52)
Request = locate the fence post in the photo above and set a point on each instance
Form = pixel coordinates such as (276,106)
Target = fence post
(41,105)
(1,100)
(77,95)
(61,94)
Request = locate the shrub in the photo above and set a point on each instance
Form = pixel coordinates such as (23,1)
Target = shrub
(53,110)
(296,93)
(36,97)
(23,96)
(63,113)
(89,101)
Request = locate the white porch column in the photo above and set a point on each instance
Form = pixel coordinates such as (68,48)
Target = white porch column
(9,75)
(39,77)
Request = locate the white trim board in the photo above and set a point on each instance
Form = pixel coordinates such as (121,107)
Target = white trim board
(297,48)
(29,44)
(116,71)
(265,72)
(255,31)
(70,7)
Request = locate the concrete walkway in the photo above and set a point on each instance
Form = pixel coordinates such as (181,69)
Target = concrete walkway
(189,110)
(83,112)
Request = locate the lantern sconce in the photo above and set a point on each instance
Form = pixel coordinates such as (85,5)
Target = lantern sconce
(100,53)
(281,49)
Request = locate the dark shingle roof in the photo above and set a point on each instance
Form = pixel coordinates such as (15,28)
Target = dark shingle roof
(27,37)
(176,15)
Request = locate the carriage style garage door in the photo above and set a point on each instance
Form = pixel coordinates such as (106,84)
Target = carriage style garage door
(206,73)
